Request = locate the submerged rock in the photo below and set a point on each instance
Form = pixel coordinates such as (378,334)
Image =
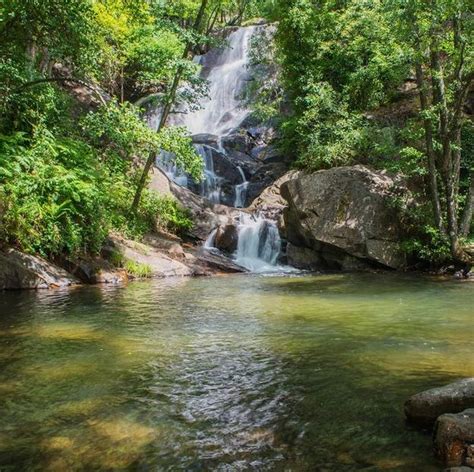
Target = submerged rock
(23,271)
(425,407)
(454,438)
(348,210)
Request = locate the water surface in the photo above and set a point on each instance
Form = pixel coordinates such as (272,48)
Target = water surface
(232,373)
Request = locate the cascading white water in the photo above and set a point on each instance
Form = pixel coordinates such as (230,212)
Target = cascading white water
(211,239)
(259,243)
(210,186)
(211,183)
(223,109)
(241,190)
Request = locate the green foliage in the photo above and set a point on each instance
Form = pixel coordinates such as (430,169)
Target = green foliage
(116,258)
(59,198)
(138,270)
(52,202)
(332,134)
(423,242)
(428,246)
(118,128)
(67,177)
(338,60)
(154,213)
(264,94)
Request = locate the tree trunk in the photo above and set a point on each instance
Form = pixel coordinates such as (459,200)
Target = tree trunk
(446,164)
(432,172)
(167,108)
(468,208)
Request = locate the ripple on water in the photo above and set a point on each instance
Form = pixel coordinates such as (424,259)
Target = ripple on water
(234,373)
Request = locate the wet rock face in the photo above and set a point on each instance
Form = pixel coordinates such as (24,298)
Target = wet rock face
(454,438)
(425,407)
(346,209)
(23,271)
(227,238)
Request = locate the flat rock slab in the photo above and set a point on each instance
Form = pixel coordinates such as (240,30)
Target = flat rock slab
(24,271)
(425,407)
(454,438)
(160,264)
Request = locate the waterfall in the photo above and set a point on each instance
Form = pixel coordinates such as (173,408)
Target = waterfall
(241,190)
(211,239)
(211,183)
(259,244)
(228,73)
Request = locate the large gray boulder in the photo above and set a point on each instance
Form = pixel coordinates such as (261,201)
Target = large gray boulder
(454,438)
(346,211)
(24,271)
(425,407)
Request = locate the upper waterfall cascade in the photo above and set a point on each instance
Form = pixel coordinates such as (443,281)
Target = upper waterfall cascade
(228,74)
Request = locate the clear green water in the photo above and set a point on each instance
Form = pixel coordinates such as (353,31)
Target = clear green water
(231,373)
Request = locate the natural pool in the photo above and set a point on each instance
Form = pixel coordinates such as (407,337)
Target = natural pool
(232,373)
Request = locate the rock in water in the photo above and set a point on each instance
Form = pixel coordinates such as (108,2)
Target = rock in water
(227,238)
(425,407)
(23,271)
(347,210)
(454,438)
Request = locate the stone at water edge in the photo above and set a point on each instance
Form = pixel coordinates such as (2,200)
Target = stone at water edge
(24,271)
(423,408)
(218,262)
(454,438)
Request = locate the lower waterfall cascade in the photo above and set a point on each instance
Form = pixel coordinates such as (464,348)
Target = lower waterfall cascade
(259,243)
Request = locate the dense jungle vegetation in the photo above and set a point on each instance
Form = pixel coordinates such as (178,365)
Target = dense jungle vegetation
(388,84)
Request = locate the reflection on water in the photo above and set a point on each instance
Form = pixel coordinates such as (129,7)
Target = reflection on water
(232,373)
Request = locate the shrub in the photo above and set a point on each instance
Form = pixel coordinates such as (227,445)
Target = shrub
(138,270)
